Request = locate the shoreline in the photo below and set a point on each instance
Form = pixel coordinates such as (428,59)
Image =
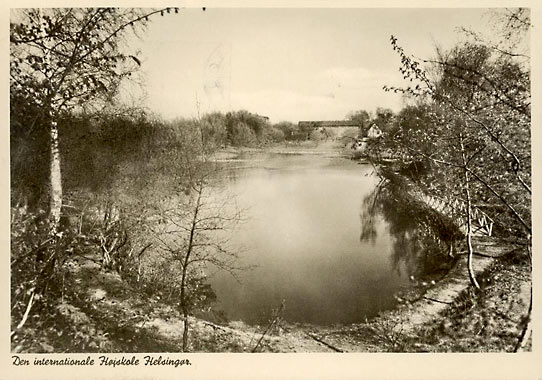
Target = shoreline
(439,313)
(404,319)
(433,301)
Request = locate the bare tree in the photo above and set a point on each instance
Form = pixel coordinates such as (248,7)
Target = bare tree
(196,226)
(195,235)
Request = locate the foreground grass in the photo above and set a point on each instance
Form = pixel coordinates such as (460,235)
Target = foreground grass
(489,320)
(105,315)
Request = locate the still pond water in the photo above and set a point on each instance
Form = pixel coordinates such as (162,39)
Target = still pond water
(305,235)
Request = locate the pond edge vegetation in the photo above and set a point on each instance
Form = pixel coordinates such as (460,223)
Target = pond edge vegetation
(88,177)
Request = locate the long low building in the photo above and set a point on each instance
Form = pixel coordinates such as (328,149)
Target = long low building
(337,128)
(329,124)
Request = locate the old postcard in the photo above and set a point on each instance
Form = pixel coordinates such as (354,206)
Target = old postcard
(304,190)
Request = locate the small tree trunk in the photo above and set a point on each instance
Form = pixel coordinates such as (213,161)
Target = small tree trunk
(55,179)
(469,216)
(185,332)
(469,257)
(26,313)
(469,234)
(184,308)
(527,330)
(184,301)
(186,262)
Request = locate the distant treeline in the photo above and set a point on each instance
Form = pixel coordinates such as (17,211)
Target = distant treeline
(96,146)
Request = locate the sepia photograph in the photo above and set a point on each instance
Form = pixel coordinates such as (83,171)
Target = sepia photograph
(269,180)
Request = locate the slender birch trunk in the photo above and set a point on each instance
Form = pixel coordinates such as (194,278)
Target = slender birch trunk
(472,277)
(469,234)
(55,202)
(55,178)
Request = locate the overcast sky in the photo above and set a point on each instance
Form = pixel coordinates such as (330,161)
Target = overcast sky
(288,64)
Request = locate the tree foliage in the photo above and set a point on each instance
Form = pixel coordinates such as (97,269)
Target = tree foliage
(362,117)
(65,59)
(473,116)
(71,56)
(62,61)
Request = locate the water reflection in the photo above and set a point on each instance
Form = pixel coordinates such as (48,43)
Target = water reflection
(303,236)
(420,237)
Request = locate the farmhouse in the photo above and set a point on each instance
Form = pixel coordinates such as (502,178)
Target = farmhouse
(360,144)
(374,132)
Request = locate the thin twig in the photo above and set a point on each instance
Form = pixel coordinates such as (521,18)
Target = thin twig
(324,342)
(26,313)
(279,312)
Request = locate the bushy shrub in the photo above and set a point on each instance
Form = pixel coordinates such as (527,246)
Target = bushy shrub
(274,135)
(242,135)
